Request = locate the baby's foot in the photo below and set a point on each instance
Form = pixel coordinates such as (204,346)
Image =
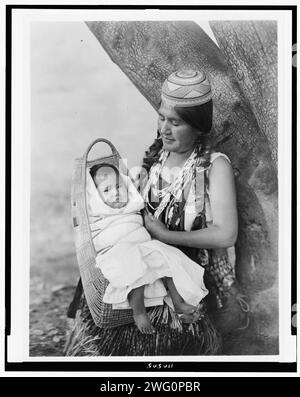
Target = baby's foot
(186,312)
(184,308)
(143,323)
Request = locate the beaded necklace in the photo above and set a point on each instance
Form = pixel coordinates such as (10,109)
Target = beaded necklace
(172,192)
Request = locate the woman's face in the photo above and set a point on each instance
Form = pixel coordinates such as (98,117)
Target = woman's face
(177,135)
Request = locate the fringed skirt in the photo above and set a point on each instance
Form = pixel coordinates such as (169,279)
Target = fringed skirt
(172,337)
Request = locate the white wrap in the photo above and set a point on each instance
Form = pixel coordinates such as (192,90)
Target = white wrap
(128,258)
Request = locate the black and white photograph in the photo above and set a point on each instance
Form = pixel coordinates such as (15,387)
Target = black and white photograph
(154,152)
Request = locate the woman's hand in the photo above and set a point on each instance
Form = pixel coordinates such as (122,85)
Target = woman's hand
(155,227)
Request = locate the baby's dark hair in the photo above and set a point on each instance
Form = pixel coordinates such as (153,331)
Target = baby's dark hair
(96,167)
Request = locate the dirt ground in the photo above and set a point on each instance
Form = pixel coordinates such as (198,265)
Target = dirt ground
(48,323)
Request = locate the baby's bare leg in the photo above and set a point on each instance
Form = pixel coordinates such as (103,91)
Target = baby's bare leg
(181,307)
(140,316)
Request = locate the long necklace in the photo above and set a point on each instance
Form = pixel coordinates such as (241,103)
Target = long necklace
(172,192)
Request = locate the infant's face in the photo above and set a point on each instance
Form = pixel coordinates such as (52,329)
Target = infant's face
(111,187)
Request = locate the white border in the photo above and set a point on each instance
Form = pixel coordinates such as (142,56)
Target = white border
(2,178)
(18,342)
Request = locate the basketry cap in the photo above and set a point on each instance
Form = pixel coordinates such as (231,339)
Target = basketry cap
(186,88)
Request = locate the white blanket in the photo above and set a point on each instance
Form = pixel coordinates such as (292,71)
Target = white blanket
(129,258)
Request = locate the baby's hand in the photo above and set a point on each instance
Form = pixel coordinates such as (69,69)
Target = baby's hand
(155,227)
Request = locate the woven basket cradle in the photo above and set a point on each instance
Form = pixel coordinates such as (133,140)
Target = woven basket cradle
(93,281)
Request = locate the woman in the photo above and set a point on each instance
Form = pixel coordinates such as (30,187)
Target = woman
(190,202)
(184,124)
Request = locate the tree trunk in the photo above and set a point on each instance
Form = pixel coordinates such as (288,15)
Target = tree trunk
(250,48)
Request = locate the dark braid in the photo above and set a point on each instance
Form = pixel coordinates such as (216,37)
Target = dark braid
(152,154)
(204,150)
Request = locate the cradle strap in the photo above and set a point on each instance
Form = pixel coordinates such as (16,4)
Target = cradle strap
(74,305)
(245,308)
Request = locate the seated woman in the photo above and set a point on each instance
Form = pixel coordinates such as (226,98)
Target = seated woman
(135,265)
(191,192)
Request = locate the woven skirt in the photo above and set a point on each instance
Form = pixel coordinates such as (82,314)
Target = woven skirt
(172,337)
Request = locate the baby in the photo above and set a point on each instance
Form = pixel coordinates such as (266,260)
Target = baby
(110,186)
(141,272)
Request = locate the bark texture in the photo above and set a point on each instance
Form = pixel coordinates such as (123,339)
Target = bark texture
(250,48)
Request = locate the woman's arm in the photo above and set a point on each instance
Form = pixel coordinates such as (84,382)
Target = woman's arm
(222,232)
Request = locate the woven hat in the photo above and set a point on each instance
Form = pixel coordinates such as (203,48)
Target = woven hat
(186,88)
